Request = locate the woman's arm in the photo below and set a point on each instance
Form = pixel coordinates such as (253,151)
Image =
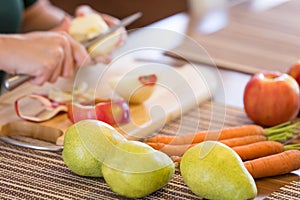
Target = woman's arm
(42,16)
(43,55)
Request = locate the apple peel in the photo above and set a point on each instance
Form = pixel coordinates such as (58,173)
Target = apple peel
(110,111)
(37,108)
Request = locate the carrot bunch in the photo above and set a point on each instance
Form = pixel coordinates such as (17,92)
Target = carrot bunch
(246,152)
(254,144)
(277,133)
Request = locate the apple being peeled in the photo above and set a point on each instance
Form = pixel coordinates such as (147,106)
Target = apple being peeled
(87,27)
(294,71)
(271,98)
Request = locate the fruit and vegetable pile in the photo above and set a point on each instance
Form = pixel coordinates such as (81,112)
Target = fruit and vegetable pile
(207,160)
(260,148)
(239,155)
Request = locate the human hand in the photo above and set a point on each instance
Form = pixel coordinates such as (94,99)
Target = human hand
(110,21)
(43,55)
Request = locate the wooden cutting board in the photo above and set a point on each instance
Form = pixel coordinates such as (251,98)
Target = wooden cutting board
(178,89)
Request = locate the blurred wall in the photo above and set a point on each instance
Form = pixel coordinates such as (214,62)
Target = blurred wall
(153,10)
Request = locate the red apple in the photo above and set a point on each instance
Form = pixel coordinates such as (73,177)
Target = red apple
(271,98)
(294,71)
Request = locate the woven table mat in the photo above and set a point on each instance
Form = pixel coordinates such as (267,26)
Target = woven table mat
(290,191)
(32,174)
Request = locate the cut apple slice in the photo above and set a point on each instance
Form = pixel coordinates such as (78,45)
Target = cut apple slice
(134,89)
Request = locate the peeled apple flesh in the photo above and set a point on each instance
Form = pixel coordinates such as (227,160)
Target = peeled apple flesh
(89,26)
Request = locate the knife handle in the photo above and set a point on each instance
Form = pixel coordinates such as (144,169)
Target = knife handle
(14,81)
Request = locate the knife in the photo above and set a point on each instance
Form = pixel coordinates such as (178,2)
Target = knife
(16,80)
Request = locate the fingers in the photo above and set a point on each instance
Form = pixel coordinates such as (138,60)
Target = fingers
(57,72)
(68,56)
(110,20)
(64,25)
(106,59)
(50,70)
(55,54)
(84,10)
(75,55)
(80,55)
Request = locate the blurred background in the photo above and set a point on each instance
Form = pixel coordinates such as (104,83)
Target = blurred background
(153,10)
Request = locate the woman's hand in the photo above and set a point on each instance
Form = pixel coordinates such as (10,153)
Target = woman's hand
(43,55)
(86,10)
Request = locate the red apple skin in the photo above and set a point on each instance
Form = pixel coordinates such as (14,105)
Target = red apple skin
(112,112)
(294,72)
(271,98)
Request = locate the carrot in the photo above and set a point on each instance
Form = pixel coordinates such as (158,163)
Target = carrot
(258,149)
(198,137)
(239,141)
(246,152)
(171,150)
(280,132)
(176,159)
(274,165)
(180,149)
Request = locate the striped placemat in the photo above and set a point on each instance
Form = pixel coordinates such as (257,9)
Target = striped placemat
(290,191)
(32,174)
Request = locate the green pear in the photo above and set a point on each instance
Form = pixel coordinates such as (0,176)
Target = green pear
(86,143)
(134,169)
(213,170)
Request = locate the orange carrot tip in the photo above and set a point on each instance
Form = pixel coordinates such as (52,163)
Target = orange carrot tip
(176,160)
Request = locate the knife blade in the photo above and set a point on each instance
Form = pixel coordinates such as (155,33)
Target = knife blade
(14,81)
